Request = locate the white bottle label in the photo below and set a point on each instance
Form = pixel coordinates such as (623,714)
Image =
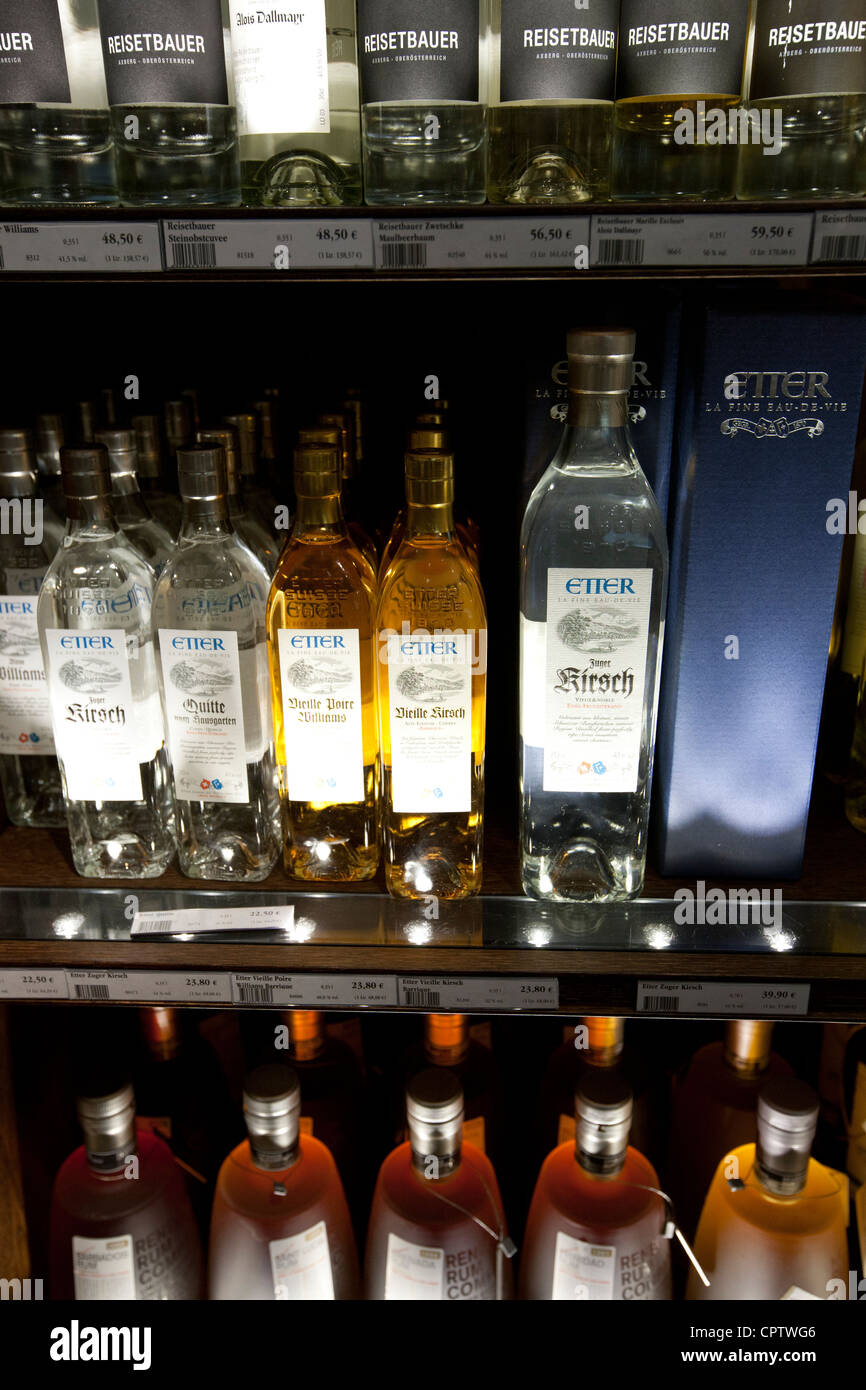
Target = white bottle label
(204,710)
(280,60)
(430,707)
(414,1273)
(301,1266)
(594,675)
(25,713)
(320,677)
(103,1269)
(582,1271)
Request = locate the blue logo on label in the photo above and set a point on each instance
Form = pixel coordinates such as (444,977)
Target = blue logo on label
(599,768)
(217,785)
(34,738)
(331,781)
(437,791)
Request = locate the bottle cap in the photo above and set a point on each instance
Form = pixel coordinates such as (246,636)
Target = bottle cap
(122,452)
(447,1033)
(787,1120)
(86,472)
(178,423)
(16,451)
(107,1117)
(317,471)
(344,422)
(148,445)
(248,432)
(320,434)
(606,1038)
(747,1044)
(603,1106)
(272,1110)
(227,439)
(434,1113)
(201,472)
(600,361)
(161,1028)
(306,1032)
(426,439)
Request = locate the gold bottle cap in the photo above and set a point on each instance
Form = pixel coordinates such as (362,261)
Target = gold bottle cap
(343,422)
(248,431)
(606,1039)
(320,434)
(307,1033)
(429,477)
(747,1044)
(446,1037)
(317,470)
(161,1031)
(427,439)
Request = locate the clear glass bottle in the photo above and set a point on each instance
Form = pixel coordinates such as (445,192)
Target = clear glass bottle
(774,1217)
(122,1227)
(432,640)
(437,1228)
(807,73)
(280,1228)
(321,626)
(257,497)
(50,438)
(150,453)
(131,512)
(29,773)
(296,77)
(594,562)
(550,120)
(334,432)
(179,433)
(209,620)
(260,540)
(94,618)
(423,120)
(595,1230)
(172,109)
(55,137)
(664,70)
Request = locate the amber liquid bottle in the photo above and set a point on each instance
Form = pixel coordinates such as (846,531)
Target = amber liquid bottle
(448,1042)
(774,1218)
(334,432)
(280,1228)
(321,617)
(430,432)
(437,1228)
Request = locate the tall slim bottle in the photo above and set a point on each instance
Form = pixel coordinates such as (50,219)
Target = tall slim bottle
(594,563)
(209,621)
(172,110)
(432,641)
(280,1227)
(321,626)
(550,119)
(261,541)
(296,76)
(29,773)
(94,618)
(447,1042)
(131,512)
(334,431)
(50,438)
(423,94)
(55,138)
(150,453)
(257,497)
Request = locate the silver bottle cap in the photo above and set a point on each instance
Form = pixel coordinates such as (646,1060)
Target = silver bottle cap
(600,361)
(50,439)
(227,438)
(787,1120)
(201,472)
(86,473)
(16,451)
(434,1114)
(122,450)
(148,445)
(603,1106)
(272,1110)
(178,424)
(247,427)
(108,1121)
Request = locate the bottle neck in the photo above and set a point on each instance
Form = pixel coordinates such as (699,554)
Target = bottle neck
(446,1039)
(110,1160)
(205,516)
(430,519)
(270,1159)
(125,485)
(89,514)
(306,1033)
(320,514)
(747,1046)
(600,1165)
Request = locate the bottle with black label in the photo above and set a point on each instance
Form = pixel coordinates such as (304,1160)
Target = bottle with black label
(807,91)
(55,139)
(679,80)
(172,114)
(423,93)
(550,120)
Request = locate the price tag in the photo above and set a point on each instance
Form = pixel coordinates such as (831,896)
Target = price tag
(146,986)
(187,921)
(263,244)
(262,990)
(696,239)
(839,237)
(730,999)
(80,246)
(483,243)
(33,984)
(476,993)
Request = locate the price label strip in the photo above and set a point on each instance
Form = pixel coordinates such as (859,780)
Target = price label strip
(33,984)
(839,237)
(476,993)
(191,921)
(259,244)
(262,990)
(732,999)
(150,986)
(119,247)
(484,243)
(630,241)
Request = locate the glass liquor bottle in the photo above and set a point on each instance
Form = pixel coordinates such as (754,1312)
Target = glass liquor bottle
(321,624)
(670,75)
(150,453)
(774,1217)
(50,438)
(429,433)
(131,512)
(29,773)
(432,635)
(596,1225)
(271,482)
(172,111)
(280,1227)
(424,95)
(437,1228)
(248,527)
(296,77)
(178,433)
(447,1042)
(550,120)
(55,138)
(122,1227)
(593,588)
(806,72)
(257,497)
(85,432)
(209,620)
(94,618)
(336,435)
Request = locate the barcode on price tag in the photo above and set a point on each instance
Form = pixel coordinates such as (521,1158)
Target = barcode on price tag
(119,247)
(727,999)
(149,986)
(483,243)
(33,984)
(282,244)
(839,236)
(621,240)
(476,993)
(189,921)
(259,989)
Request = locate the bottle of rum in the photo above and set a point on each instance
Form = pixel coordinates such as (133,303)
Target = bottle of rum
(448,1042)
(131,512)
(550,120)
(437,1228)
(122,1227)
(29,773)
(280,1227)
(94,617)
(432,670)
(596,1227)
(55,139)
(209,620)
(774,1218)
(337,435)
(260,540)
(593,588)
(676,83)
(172,113)
(296,77)
(321,626)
